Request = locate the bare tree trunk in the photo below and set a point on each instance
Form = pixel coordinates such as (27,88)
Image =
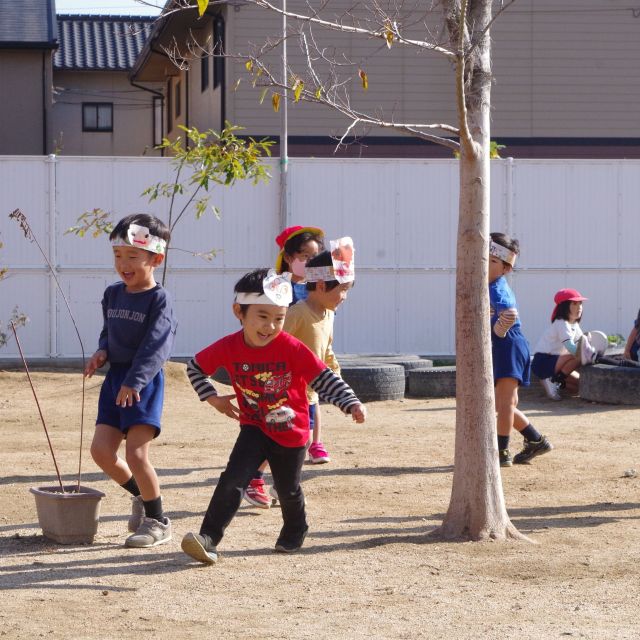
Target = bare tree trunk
(476,510)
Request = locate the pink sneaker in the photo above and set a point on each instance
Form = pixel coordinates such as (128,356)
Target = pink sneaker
(256,494)
(318,454)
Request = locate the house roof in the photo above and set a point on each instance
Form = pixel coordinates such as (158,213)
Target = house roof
(153,63)
(103,43)
(28,24)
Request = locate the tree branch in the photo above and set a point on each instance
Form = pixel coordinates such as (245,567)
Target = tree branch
(336,26)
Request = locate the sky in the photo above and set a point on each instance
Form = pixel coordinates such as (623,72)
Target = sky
(118,7)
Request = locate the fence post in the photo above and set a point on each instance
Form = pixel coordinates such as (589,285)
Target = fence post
(53,257)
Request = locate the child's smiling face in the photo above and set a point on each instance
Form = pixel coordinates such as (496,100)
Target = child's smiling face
(135,266)
(261,323)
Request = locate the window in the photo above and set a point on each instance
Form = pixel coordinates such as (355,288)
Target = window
(218,50)
(169,105)
(97,116)
(157,121)
(178,106)
(204,72)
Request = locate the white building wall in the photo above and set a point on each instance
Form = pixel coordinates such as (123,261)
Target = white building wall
(575,221)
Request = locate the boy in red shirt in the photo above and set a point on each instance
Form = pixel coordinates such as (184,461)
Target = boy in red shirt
(269,371)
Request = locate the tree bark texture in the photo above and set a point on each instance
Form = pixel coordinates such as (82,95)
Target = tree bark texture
(477,509)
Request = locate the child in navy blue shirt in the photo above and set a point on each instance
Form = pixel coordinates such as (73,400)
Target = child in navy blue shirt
(136,340)
(511,357)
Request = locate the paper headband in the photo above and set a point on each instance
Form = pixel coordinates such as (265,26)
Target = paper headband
(139,236)
(343,267)
(277,291)
(503,253)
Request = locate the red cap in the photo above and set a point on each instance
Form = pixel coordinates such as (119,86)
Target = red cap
(292,232)
(562,296)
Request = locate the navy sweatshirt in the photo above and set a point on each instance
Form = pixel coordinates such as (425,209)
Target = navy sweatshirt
(139,329)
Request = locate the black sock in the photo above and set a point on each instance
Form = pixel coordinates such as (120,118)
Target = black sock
(560,379)
(503,442)
(131,486)
(153,509)
(530,433)
(258,475)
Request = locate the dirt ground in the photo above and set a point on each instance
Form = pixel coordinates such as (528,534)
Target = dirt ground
(368,569)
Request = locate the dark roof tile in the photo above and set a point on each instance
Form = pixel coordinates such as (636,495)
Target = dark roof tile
(108,43)
(27,24)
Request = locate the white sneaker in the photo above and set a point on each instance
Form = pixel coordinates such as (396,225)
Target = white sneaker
(585,351)
(550,389)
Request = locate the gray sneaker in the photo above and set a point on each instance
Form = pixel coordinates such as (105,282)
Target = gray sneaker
(200,548)
(150,533)
(137,513)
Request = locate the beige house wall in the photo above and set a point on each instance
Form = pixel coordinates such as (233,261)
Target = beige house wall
(23,107)
(132,133)
(200,108)
(562,69)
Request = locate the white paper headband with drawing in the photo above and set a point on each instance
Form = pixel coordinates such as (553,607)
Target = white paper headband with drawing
(276,291)
(343,267)
(139,236)
(503,253)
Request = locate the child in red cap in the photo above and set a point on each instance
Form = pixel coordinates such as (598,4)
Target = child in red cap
(297,246)
(563,348)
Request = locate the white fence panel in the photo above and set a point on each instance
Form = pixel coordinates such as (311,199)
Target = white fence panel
(575,220)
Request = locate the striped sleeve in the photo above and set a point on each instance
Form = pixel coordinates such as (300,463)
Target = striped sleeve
(200,381)
(332,388)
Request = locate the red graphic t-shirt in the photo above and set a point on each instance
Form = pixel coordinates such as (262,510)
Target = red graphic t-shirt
(270,383)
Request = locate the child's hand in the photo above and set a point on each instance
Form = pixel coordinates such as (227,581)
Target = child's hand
(224,405)
(358,413)
(96,361)
(126,396)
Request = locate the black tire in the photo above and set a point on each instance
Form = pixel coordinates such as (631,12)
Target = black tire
(375,382)
(432,382)
(612,385)
(408,365)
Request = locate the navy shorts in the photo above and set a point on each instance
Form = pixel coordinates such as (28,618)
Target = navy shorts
(147,411)
(544,365)
(312,416)
(511,358)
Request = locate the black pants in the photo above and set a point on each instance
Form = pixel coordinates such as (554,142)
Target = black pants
(251,448)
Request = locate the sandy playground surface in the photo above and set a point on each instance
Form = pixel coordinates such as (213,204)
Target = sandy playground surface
(368,569)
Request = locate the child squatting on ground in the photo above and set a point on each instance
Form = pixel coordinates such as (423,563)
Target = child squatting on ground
(136,339)
(563,348)
(511,358)
(297,245)
(269,371)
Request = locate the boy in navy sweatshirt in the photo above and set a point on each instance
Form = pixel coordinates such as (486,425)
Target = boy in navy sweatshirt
(136,340)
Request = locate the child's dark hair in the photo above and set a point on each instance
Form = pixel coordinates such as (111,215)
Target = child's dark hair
(295,244)
(155,225)
(251,282)
(563,310)
(323,259)
(505,241)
